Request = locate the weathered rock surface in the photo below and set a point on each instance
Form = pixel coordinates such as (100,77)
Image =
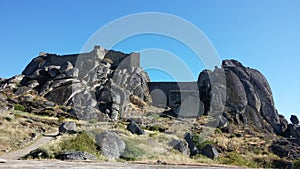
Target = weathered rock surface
(294,130)
(283,164)
(243,94)
(111,145)
(285,149)
(209,151)
(223,122)
(76,155)
(101,79)
(182,146)
(106,85)
(294,119)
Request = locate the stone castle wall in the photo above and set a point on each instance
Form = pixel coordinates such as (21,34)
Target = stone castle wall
(162,92)
(118,59)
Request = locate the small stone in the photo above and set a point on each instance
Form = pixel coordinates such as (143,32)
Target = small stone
(134,128)
(209,151)
(50,104)
(223,122)
(181,145)
(67,127)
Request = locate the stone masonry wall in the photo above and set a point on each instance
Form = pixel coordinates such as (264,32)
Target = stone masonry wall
(161,91)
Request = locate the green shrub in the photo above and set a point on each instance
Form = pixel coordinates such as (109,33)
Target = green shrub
(297,164)
(82,142)
(200,141)
(132,152)
(8,118)
(20,107)
(154,128)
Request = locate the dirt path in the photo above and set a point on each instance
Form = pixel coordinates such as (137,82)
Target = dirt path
(100,165)
(15,155)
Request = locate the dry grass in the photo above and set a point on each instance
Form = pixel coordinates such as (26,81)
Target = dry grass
(151,147)
(251,151)
(18,129)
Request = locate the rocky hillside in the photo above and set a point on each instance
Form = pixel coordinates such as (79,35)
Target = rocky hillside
(247,102)
(106,94)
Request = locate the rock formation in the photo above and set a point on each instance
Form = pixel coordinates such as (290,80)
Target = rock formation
(76,155)
(102,84)
(98,85)
(245,94)
(105,85)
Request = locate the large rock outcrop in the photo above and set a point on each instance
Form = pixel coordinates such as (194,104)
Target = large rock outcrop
(98,85)
(242,95)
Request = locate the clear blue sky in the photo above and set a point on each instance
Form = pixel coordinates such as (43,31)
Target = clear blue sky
(261,34)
